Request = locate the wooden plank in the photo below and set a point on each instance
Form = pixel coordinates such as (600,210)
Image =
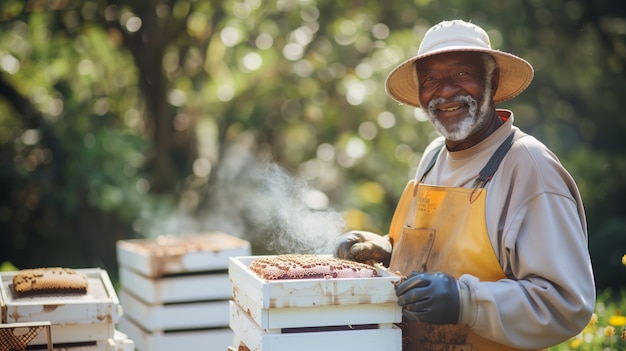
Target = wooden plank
(176,254)
(332,315)
(198,340)
(75,333)
(319,315)
(386,337)
(119,342)
(171,289)
(196,315)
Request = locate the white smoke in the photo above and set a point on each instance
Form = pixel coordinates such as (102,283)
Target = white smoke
(260,202)
(283,220)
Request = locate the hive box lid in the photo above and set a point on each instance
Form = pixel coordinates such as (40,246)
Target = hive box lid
(313,302)
(99,305)
(166,255)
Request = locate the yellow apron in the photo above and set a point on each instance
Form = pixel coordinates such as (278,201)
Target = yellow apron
(443,229)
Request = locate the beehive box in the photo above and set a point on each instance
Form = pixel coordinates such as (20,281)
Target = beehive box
(78,333)
(177,288)
(371,337)
(193,315)
(169,255)
(214,339)
(119,342)
(73,318)
(292,303)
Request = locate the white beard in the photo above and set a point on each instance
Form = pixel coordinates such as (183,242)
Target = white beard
(474,121)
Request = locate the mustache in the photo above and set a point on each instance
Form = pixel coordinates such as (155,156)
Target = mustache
(435,103)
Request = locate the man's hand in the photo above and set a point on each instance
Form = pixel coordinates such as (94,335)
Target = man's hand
(364,247)
(430,297)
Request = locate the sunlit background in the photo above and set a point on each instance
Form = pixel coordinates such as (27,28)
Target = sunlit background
(266,119)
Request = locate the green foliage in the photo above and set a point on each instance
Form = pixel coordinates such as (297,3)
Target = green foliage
(7,266)
(84,152)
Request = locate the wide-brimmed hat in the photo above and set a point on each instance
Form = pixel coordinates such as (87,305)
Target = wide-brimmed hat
(515,72)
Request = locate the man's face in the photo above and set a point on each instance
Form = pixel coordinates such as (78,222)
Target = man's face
(454,94)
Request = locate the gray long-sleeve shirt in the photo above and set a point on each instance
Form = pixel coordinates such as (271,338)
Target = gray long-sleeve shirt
(537,227)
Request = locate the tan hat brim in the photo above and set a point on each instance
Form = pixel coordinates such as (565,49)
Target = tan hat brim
(515,76)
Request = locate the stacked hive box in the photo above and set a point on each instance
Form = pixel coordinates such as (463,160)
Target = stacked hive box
(313,314)
(77,322)
(175,291)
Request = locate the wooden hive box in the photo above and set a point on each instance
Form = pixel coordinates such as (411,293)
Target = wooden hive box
(377,337)
(119,342)
(212,339)
(173,254)
(175,290)
(313,314)
(73,318)
(178,316)
(340,301)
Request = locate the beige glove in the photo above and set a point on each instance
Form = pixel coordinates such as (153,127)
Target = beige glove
(364,247)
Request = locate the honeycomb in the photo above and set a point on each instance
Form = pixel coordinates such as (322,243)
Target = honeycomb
(309,266)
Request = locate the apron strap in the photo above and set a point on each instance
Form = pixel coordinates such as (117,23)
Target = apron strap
(485,175)
(433,160)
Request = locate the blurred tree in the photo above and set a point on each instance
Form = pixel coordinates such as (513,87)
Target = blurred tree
(127,118)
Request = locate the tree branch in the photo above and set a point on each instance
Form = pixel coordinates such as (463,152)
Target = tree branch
(32,118)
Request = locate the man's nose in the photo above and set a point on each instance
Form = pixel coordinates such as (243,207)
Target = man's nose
(448,88)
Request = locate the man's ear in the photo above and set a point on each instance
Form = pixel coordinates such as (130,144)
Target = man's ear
(495,79)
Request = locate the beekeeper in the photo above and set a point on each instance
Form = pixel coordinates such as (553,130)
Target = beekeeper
(491,234)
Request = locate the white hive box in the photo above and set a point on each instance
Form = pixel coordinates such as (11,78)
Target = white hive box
(313,314)
(193,315)
(216,339)
(175,290)
(120,342)
(338,301)
(169,255)
(372,338)
(74,318)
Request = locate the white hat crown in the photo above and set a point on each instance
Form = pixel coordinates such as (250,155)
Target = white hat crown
(455,33)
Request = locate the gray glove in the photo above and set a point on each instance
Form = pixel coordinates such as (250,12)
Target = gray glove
(364,247)
(430,297)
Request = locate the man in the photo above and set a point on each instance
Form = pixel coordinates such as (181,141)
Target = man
(491,235)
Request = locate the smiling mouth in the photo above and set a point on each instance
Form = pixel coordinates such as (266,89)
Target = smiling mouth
(449,109)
